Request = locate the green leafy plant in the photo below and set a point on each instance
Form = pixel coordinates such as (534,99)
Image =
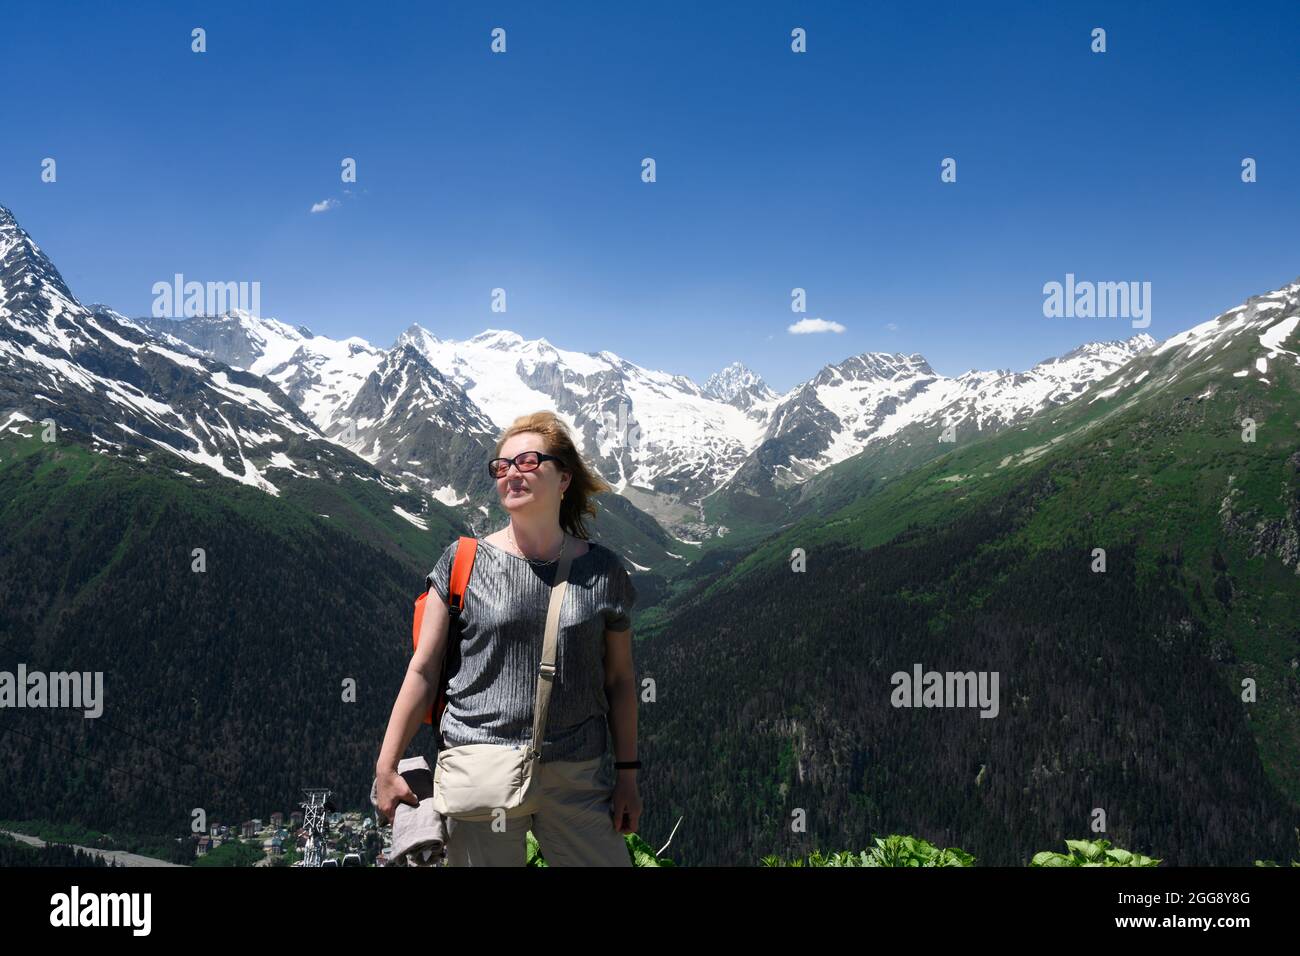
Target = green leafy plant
(893,850)
(898,850)
(642,853)
(902,850)
(1092,853)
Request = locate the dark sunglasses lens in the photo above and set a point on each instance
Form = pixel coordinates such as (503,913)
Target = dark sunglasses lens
(497,467)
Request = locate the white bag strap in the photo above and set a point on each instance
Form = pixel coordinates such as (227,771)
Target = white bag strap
(546,672)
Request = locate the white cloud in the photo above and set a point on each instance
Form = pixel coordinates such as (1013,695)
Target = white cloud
(325,205)
(809,326)
(891,326)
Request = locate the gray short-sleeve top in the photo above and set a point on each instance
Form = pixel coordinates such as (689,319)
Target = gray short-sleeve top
(496,647)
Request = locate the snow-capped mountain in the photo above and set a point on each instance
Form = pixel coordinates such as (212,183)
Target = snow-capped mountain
(321,375)
(875,395)
(989,401)
(126,390)
(663,441)
(391,407)
(1266,324)
(740,386)
(833,415)
(657,437)
(1235,367)
(658,432)
(428,410)
(411,422)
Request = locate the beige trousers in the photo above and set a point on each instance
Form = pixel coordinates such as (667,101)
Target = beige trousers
(568,811)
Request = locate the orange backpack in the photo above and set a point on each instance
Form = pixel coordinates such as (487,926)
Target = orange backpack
(460,572)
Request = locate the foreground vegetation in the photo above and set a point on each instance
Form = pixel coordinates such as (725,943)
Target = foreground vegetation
(899,850)
(642,853)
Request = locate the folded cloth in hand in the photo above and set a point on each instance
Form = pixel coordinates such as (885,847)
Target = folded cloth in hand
(419,833)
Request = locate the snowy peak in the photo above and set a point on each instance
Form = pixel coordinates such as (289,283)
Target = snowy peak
(320,374)
(654,430)
(989,401)
(129,391)
(236,338)
(401,386)
(410,421)
(420,338)
(1256,313)
(738,385)
(32,292)
(1256,340)
(833,416)
(872,367)
(877,395)
(428,407)
(501,339)
(259,345)
(1113,353)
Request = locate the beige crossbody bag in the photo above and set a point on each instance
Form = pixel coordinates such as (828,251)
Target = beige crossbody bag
(473,781)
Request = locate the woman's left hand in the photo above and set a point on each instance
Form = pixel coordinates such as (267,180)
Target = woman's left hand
(625,803)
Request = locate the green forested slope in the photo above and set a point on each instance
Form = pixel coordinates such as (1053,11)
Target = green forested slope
(223,688)
(1119,690)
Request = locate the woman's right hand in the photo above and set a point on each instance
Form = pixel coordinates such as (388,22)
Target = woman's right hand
(418,693)
(391,789)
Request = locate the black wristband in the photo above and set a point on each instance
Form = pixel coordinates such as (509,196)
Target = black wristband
(627,765)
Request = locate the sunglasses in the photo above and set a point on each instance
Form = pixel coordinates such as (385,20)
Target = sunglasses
(524,461)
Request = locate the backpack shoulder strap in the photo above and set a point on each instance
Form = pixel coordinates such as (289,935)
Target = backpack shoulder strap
(461,569)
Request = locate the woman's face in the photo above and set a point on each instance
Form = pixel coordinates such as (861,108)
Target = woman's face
(537,490)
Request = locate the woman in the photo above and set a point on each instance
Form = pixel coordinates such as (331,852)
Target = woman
(579,809)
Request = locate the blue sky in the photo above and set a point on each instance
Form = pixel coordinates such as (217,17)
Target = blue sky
(775,170)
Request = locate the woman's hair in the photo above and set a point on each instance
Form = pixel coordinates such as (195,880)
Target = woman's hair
(585,483)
